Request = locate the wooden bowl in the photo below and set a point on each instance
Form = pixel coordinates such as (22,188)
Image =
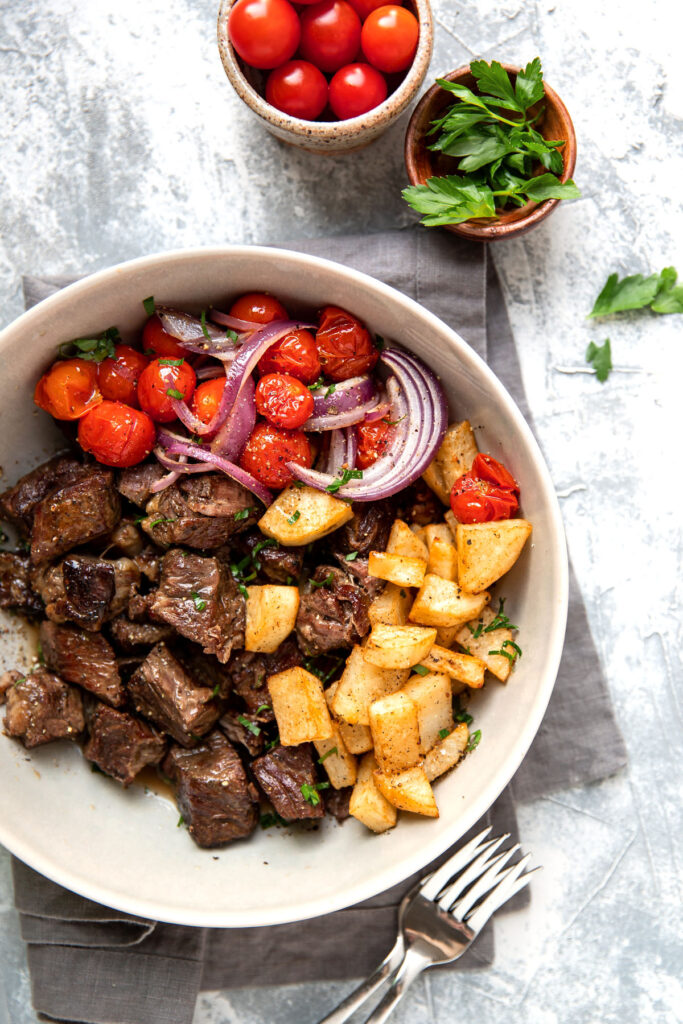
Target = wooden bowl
(422,163)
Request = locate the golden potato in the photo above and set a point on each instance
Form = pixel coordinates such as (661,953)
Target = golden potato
(455,456)
(395,732)
(442,603)
(408,790)
(445,635)
(391,607)
(398,646)
(486,551)
(336,759)
(404,572)
(300,515)
(299,707)
(463,668)
(404,541)
(367,804)
(360,685)
(271,616)
(432,696)
(443,557)
(447,752)
(474,639)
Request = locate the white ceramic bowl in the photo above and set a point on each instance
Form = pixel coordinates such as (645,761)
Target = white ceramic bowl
(122,848)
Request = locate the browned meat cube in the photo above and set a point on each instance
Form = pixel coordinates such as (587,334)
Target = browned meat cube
(162,690)
(200,599)
(15,587)
(18,504)
(367,531)
(216,495)
(287,777)
(121,745)
(418,504)
(86,590)
(135,483)
(76,514)
(131,636)
(244,729)
(249,672)
(279,565)
(41,708)
(84,658)
(333,613)
(125,539)
(176,517)
(337,802)
(213,793)
(206,669)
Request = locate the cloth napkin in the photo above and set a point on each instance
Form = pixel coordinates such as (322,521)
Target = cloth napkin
(92,964)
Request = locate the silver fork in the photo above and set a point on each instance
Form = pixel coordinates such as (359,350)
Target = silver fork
(439,919)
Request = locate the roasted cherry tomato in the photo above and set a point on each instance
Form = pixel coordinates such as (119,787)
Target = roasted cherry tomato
(69,389)
(297,88)
(270,448)
(330,34)
(283,400)
(345,347)
(116,434)
(486,493)
(373,440)
(355,89)
(389,38)
(485,467)
(364,7)
(118,376)
(207,398)
(259,307)
(295,354)
(155,339)
(161,382)
(265,33)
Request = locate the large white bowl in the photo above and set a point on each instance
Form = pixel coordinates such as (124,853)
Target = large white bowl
(122,848)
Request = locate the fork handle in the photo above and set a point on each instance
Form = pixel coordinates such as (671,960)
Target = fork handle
(365,990)
(413,965)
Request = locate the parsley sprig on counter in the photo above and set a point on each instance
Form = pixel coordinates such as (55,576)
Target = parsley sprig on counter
(658,291)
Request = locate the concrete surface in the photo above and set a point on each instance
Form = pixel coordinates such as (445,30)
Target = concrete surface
(119,135)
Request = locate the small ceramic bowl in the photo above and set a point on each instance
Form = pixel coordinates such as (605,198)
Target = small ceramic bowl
(326,136)
(422,163)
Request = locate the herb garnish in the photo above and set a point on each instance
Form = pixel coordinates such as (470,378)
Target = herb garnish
(161,519)
(316,385)
(323,583)
(216,690)
(294,517)
(500,621)
(310,792)
(474,741)
(181,821)
(331,390)
(251,726)
(242,514)
(658,291)
(243,590)
(600,358)
(92,349)
(420,669)
(170,362)
(347,474)
(328,753)
(199,602)
(232,336)
(443,733)
(351,557)
(149,306)
(512,658)
(271,818)
(202,320)
(272,743)
(262,707)
(174,393)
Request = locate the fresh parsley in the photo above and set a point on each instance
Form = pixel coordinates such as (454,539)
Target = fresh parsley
(658,291)
(92,349)
(328,753)
(262,707)
(199,602)
(181,821)
(331,390)
(316,385)
(500,621)
(600,358)
(161,519)
(473,741)
(443,733)
(232,336)
(421,670)
(171,362)
(323,583)
(243,590)
(205,330)
(347,474)
(511,657)
(149,306)
(294,518)
(310,792)
(216,690)
(251,726)
(174,393)
(271,818)
(243,513)
(464,716)
(351,557)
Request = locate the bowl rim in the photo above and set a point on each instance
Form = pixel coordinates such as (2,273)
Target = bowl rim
(391,875)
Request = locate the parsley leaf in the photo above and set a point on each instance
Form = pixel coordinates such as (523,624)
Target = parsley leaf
(600,358)
(474,741)
(443,733)
(669,297)
(493,80)
(420,670)
(92,349)
(323,583)
(295,516)
(310,792)
(216,690)
(463,716)
(149,305)
(251,726)
(351,557)
(450,199)
(170,362)
(199,602)
(546,186)
(634,292)
(328,753)
(174,393)
(262,707)
(347,474)
(243,514)
(529,84)
(271,818)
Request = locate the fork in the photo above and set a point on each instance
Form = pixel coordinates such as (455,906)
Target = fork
(439,919)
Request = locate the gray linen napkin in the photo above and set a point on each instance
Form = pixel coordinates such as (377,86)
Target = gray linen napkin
(89,963)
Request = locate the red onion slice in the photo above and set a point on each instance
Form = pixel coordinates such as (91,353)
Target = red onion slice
(173,445)
(232,321)
(185,327)
(382,409)
(251,351)
(209,372)
(239,423)
(334,421)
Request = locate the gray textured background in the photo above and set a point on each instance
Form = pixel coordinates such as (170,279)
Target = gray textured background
(119,136)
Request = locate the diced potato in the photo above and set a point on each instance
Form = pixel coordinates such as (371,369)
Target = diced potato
(300,515)
(433,698)
(299,707)
(443,559)
(442,603)
(398,569)
(403,541)
(463,668)
(361,684)
(447,752)
(486,551)
(408,790)
(391,607)
(395,732)
(398,646)
(358,738)
(367,803)
(455,456)
(336,759)
(482,645)
(419,531)
(451,523)
(271,616)
(445,635)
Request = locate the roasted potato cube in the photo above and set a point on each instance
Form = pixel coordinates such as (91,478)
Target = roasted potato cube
(419,531)
(367,803)
(395,732)
(486,551)
(403,541)
(336,759)
(455,456)
(443,557)
(398,569)
(357,738)
(433,698)
(299,707)
(398,646)
(361,684)
(391,607)
(447,752)
(451,523)
(271,616)
(482,645)
(408,790)
(442,603)
(445,635)
(463,668)
(300,515)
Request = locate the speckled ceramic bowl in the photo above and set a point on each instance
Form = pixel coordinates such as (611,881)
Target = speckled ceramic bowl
(326,136)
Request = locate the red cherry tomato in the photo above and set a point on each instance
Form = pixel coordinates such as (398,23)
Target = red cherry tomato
(389,38)
(161,382)
(155,339)
(373,440)
(364,7)
(295,354)
(488,492)
(330,34)
(259,307)
(265,33)
(485,467)
(118,377)
(116,434)
(207,398)
(344,345)
(283,400)
(298,89)
(270,448)
(355,89)
(69,389)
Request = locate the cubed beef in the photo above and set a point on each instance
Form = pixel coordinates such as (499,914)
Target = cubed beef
(200,599)
(244,729)
(75,514)
(125,539)
(337,802)
(135,483)
(120,744)
(84,658)
(149,563)
(174,517)
(18,504)
(249,673)
(15,587)
(206,669)
(162,690)
(214,494)
(85,589)
(279,565)
(41,707)
(367,531)
(419,505)
(131,636)
(285,774)
(333,612)
(213,793)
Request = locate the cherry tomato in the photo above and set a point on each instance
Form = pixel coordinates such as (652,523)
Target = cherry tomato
(207,398)
(487,492)
(364,7)
(155,339)
(355,89)
(161,382)
(283,400)
(69,389)
(485,467)
(330,34)
(116,434)
(389,38)
(344,345)
(298,89)
(265,33)
(269,449)
(373,440)
(259,307)
(295,354)
(118,377)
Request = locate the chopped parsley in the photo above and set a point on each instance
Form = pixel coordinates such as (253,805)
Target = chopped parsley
(600,358)
(170,362)
(310,792)
(323,583)
(251,726)
(272,743)
(421,670)
(294,518)
(331,390)
(511,657)
(443,733)
(501,620)
(92,349)
(262,707)
(199,602)
(232,336)
(216,690)
(271,818)
(463,716)
(242,514)
(351,557)
(243,590)
(205,330)
(149,306)
(474,741)
(174,393)
(347,474)
(181,821)
(161,519)
(319,383)
(332,750)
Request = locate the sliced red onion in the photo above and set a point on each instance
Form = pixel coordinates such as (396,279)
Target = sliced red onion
(251,351)
(379,412)
(169,478)
(210,371)
(232,321)
(185,327)
(178,467)
(351,447)
(177,446)
(234,434)
(336,455)
(347,396)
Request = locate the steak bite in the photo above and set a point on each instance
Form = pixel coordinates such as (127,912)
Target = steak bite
(131,636)
(278,565)
(213,793)
(15,587)
(162,690)
(175,516)
(18,504)
(41,708)
(75,514)
(85,589)
(367,531)
(84,658)
(121,745)
(243,729)
(285,775)
(419,505)
(333,612)
(249,673)
(135,483)
(213,494)
(200,599)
